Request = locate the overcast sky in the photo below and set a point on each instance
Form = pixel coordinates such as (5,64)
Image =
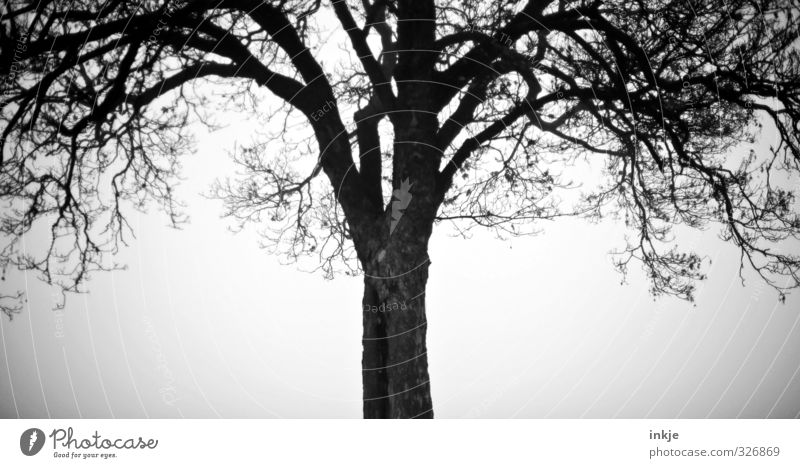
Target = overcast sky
(204,324)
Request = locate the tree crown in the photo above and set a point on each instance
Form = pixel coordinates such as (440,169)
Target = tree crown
(495,100)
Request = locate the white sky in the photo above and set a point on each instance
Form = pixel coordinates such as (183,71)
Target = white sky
(205,324)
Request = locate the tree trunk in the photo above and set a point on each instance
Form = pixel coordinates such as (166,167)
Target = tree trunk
(395,361)
(393,251)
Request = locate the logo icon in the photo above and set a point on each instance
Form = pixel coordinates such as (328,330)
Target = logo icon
(401,198)
(31,441)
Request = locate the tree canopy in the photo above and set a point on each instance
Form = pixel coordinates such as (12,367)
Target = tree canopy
(100,98)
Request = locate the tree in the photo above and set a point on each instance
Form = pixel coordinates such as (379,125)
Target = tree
(469,112)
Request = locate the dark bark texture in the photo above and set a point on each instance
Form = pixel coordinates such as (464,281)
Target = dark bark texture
(395,261)
(395,362)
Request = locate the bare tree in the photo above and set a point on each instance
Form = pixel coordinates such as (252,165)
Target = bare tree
(468,112)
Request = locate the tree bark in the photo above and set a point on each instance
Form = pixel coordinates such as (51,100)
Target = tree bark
(395,361)
(393,251)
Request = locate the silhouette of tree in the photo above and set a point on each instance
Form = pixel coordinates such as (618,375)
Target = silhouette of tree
(470,112)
